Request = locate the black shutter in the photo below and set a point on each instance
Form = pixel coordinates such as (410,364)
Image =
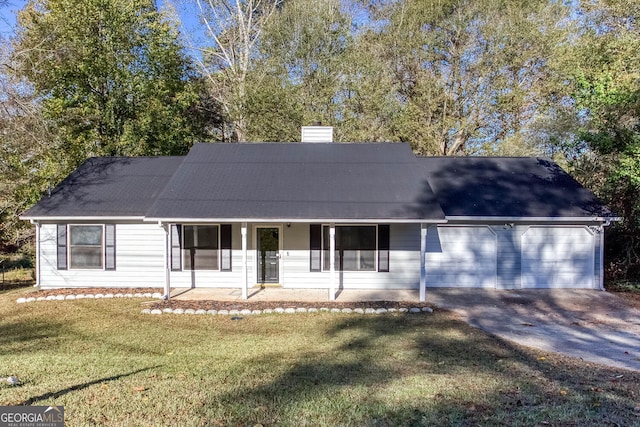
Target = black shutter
(225,247)
(383,247)
(62,246)
(315,246)
(110,247)
(176,242)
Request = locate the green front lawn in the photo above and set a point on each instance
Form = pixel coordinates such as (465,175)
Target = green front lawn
(109,364)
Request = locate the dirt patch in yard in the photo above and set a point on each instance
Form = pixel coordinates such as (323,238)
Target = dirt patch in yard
(631,298)
(94,291)
(225,305)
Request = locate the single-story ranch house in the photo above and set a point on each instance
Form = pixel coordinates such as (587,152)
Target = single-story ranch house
(319,215)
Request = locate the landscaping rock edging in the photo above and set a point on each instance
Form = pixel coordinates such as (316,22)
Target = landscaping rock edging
(155,295)
(288,310)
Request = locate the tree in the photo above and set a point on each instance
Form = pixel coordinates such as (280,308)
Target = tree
(299,72)
(111,74)
(469,74)
(99,77)
(27,141)
(234,27)
(605,75)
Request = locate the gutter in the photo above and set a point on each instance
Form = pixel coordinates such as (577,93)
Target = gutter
(81,218)
(606,223)
(298,220)
(606,220)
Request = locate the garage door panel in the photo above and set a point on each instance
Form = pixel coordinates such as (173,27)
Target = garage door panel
(557,257)
(461,257)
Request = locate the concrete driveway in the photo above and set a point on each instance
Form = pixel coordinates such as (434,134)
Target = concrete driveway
(592,325)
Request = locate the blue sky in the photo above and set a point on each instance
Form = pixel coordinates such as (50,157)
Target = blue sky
(188,15)
(7,16)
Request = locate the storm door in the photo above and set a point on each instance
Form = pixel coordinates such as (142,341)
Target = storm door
(268,244)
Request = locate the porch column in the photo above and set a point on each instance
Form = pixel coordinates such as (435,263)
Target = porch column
(167,261)
(245,283)
(332,262)
(423,268)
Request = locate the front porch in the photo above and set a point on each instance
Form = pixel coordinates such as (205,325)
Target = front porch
(302,295)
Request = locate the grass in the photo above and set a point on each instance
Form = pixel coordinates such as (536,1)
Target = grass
(17,277)
(109,364)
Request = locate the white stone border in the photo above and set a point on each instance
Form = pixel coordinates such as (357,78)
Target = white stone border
(288,310)
(155,295)
(243,312)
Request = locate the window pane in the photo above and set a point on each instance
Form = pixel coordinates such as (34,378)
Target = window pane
(85,235)
(207,237)
(358,260)
(85,246)
(176,233)
(189,240)
(206,259)
(86,257)
(325,248)
(383,247)
(200,247)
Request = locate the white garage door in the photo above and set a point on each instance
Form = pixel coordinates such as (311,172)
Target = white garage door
(461,257)
(558,257)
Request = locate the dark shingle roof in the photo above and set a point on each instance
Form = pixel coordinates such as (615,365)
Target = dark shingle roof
(298,181)
(525,187)
(108,187)
(277,181)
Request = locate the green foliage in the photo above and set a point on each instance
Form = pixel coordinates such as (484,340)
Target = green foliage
(111,74)
(450,77)
(607,92)
(91,78)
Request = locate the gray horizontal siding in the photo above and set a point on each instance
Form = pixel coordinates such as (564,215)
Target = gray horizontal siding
(460,256)
(139,260)
(404,262)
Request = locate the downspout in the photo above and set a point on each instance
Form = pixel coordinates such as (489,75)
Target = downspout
(423,263)
(602,258)
(607,222)
(37,264)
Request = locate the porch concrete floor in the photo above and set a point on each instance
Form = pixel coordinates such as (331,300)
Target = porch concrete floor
(281,294)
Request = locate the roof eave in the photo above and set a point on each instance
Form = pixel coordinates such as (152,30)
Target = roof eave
(300,220)
(33,218)
(532,219)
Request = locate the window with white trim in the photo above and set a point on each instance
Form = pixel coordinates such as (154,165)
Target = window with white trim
(86,247)
(200,247)
(356,248)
